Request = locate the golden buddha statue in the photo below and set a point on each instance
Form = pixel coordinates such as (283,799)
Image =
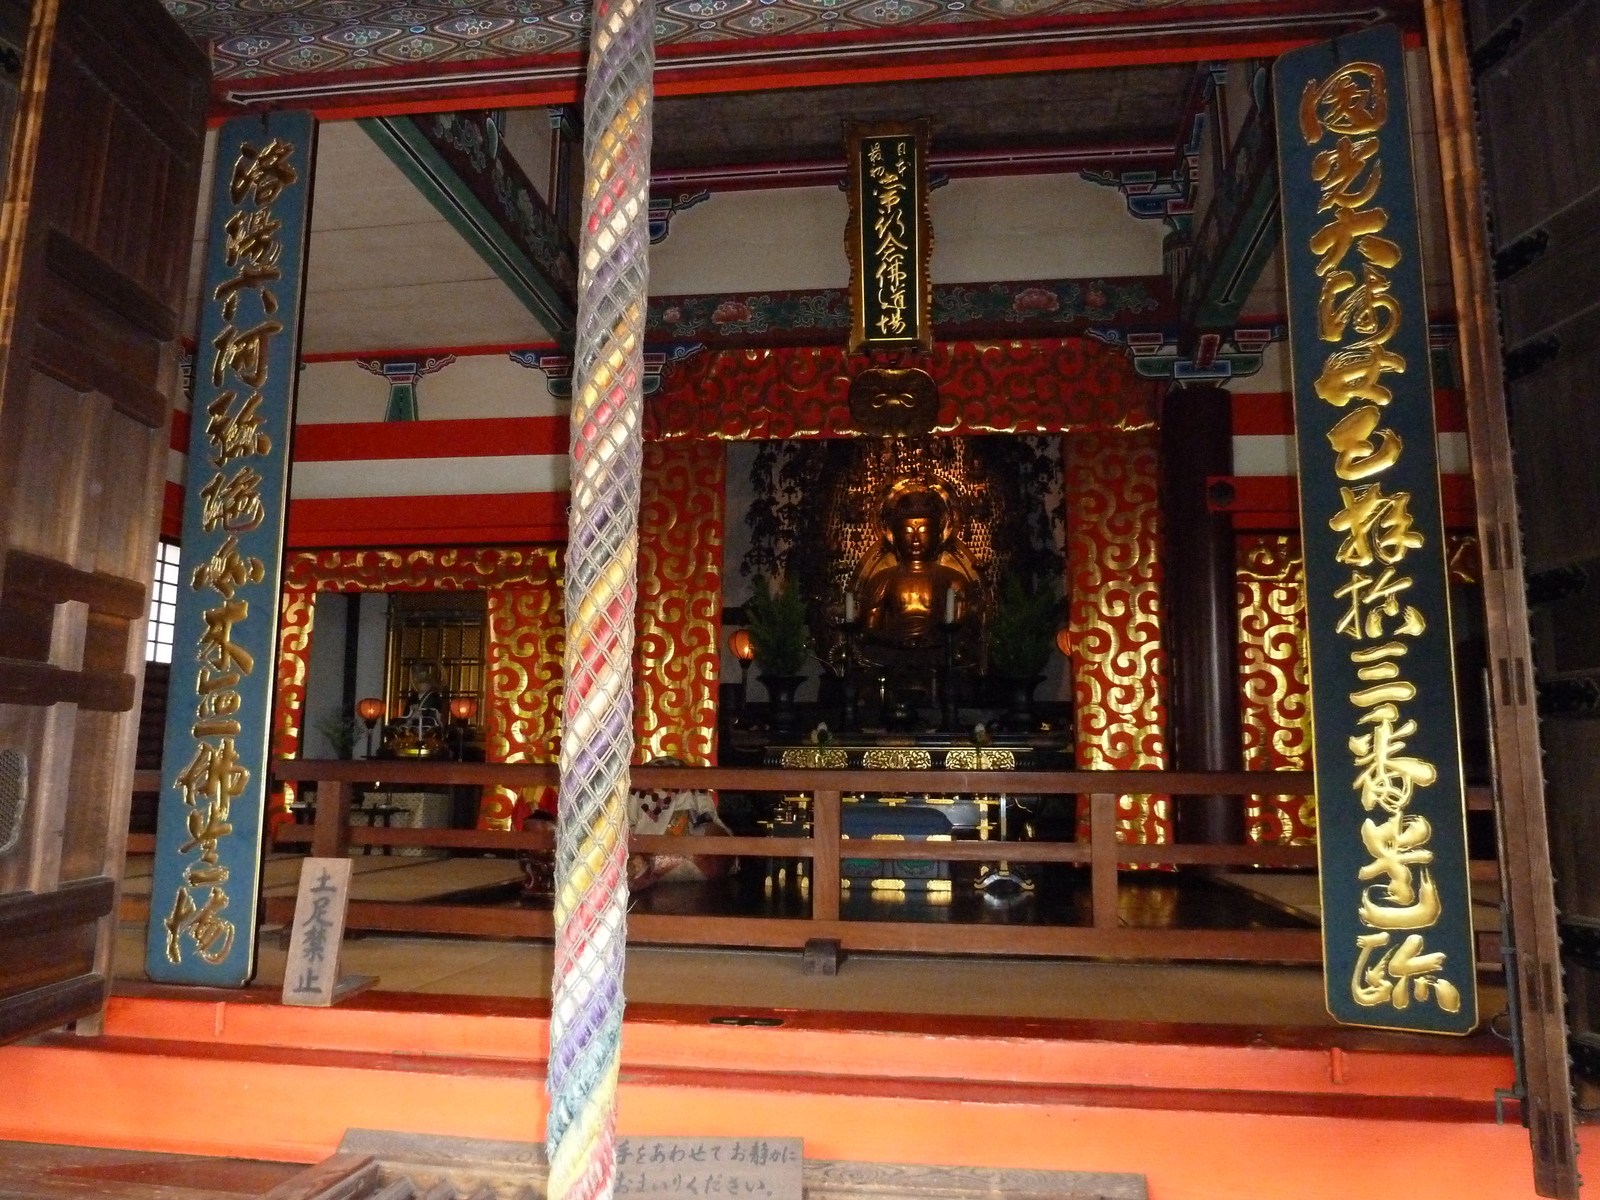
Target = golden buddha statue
(919,578)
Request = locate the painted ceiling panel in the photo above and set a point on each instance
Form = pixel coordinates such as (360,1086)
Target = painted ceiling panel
(1007,112)
(250,38)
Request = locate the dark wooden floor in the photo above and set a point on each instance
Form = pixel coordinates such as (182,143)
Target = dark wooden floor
(29,1171)
(1061,896)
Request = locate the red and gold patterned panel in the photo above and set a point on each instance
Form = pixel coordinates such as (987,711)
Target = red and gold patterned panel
(294,651)
(1274,689)
(1114,582)
(421,570)
(1035,387)
(520,570)
(676,655)
(527,636)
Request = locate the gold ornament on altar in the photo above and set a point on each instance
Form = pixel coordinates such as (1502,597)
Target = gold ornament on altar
(919,578)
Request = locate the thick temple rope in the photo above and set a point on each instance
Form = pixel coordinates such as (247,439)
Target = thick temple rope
(602,553)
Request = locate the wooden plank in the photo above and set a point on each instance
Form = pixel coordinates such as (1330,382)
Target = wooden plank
(1177,784)
(441,839)
(965,851)
(56,1172)
(20,194)
(54,582)
(341,1177)
(825,860)
(1513,716)
(42,1008)
(76,903)
(769,847)
(766,847)
(109,206)
(1223,856)
(1188,945)
(58,351)
(90,273)
(1103,859)
(41,684)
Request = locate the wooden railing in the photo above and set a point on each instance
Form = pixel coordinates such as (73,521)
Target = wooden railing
(331,835)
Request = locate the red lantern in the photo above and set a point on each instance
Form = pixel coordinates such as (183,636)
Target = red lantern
(463,708)
(741,645)
(370,710)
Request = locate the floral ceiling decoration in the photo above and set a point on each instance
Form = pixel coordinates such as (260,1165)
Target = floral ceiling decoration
(253,38)
(1032,308)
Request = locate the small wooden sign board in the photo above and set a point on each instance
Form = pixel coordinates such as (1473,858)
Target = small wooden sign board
(747,1168)
(311,976)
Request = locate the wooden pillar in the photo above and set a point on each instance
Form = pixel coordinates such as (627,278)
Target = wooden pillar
(330,835)
(825,818)
(1199,603)
(1103,858)
(1514,719)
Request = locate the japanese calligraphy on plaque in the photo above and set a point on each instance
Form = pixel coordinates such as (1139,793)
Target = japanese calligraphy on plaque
(691,1168)
(1396,905)
(311,976)
(209,830)
(889,238)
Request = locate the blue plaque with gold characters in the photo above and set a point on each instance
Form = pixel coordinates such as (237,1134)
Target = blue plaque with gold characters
(219,707)
(889,238)
(1391,806)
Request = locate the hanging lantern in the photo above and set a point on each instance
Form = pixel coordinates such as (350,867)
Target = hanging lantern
(1064,640)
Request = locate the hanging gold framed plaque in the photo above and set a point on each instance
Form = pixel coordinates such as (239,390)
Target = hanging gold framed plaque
(889,237)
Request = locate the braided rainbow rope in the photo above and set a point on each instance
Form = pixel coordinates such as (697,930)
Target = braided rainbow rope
(602,553)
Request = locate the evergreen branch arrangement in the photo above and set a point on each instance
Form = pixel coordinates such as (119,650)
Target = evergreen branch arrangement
(776,620)
(1022,631)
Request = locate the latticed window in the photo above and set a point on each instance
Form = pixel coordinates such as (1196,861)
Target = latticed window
(163,605)
(439,630)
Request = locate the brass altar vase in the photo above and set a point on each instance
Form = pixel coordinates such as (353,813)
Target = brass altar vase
(409,743)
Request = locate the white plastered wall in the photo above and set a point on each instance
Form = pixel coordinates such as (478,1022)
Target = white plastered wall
(985,230)
(480,385)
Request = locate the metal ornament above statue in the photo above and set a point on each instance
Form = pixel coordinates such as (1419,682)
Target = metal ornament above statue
(894,401)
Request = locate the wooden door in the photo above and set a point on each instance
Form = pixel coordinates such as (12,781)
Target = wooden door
(95,237)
